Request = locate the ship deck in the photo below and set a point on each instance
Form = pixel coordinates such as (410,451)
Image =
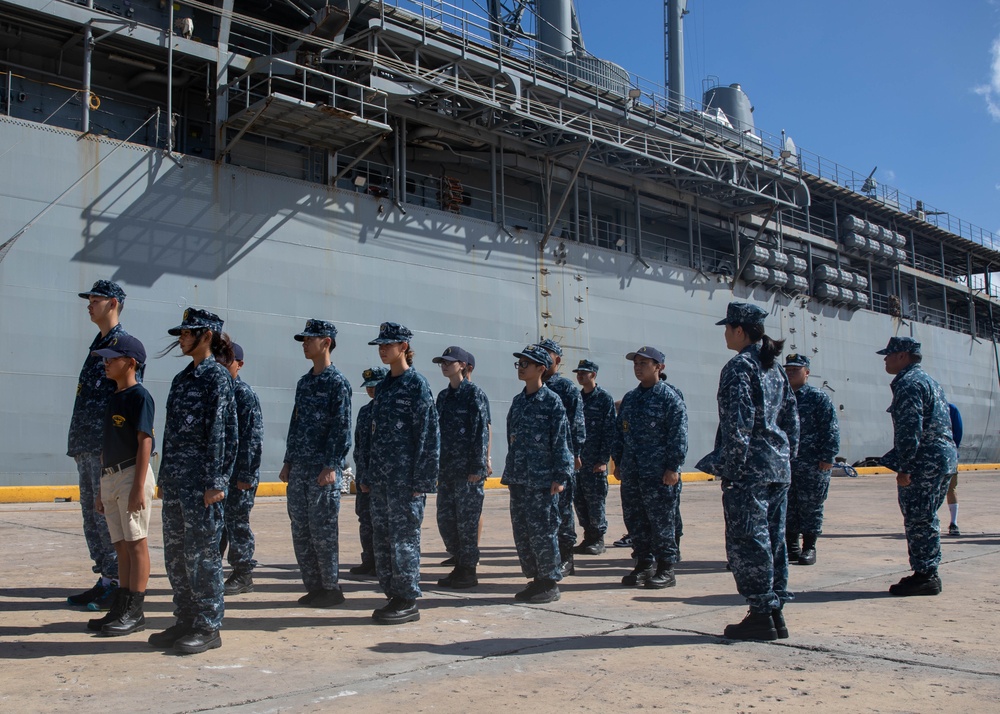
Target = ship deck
(601,647)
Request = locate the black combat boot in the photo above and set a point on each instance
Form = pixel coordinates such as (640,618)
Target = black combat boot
(642,572)
(595,547)
(239,582)
(398,611)
(460,578)
(794,550)
(132,619)
(117,608)
(917,584)
(566,566)
(663,577)
(755,626)
(779,623)
(167,638)
(547,591)
(367,567)
(198,641)
(808,555)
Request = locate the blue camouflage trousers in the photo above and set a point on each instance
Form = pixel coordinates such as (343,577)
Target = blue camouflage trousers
(363,510)
(755,542)
(650,509)
(567,521)
(590,500)
(459,506)
(534,518)
(191,534)
(396,519)
(806,497)
(314,511)
(237,535)
(919,503)
(95,528)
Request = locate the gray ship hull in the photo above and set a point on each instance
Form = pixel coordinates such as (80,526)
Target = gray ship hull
(267,252)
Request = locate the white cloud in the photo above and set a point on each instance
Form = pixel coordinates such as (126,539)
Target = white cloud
(889,174)
(991,92)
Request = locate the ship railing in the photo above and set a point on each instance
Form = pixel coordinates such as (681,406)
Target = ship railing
(273,75)
(649,100)
(39,96)
(801,220)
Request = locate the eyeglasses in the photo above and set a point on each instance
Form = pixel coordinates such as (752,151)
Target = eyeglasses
(524,363)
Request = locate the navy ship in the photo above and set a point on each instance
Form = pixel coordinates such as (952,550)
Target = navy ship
(466,169)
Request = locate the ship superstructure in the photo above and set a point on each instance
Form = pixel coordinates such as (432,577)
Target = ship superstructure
(476,175)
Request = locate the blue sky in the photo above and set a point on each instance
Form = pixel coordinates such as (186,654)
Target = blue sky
(910,86)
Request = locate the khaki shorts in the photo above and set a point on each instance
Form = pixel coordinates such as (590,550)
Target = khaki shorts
(115,490)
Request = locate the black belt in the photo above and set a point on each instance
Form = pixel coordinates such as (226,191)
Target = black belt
(119,467)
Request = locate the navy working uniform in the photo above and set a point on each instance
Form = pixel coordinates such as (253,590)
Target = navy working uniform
(402,468)
(93,390)
(319,438)
(757,437)
(538,454)
(924,448)
(199,453)
(819,442)
(238,536)
(463,419)
(651,438)
(591,494)
(573,404)
(362,499)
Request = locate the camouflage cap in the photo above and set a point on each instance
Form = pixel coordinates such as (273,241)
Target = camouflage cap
(373,375)
(453,354)
(317,328)
(537,354)
(900,344)
(587,366)
(197,319)
(392,332)
(647,352)
(743,313)
(105,289)
(550,345)
(123,346)
(237,352)
(797,360)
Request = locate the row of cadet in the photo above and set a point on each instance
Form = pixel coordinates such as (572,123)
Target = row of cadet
(560,440)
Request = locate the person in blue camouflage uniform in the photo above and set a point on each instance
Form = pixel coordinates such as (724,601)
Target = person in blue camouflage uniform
(924,458)
(573,403)
(463,419)
(402,469)
(819,441)
(538,467)
(105,301)
(758,436)
(237,534)
(371,378)
(319,440)
(199,453)
(651,441)
(591,493)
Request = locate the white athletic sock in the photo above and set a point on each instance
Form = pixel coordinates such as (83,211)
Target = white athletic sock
(953,507)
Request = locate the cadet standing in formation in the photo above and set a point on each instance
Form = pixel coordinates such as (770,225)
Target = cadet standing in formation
(573,404)
(237,535)
(539,465)
(924,458)
(402,469)
(591,494)
(651,441)
(758,434)
(105,301)
(319,439)
(463,419)
(819,442)
(371,378)
(199,448)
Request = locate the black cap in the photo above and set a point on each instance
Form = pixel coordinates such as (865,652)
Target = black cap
(123,346)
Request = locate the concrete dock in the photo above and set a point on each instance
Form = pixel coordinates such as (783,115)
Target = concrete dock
(602,647)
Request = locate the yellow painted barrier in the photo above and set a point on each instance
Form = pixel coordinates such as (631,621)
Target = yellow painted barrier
(49,494)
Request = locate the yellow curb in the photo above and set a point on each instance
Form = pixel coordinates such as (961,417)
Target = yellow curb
(49,494)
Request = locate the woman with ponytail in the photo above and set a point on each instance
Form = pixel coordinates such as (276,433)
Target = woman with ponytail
(758,434)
